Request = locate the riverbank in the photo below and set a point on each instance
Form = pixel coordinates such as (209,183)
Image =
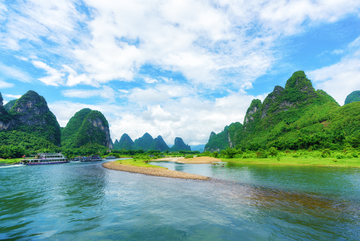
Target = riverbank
(309,161)
(152,171)
(195,160)
(10,161)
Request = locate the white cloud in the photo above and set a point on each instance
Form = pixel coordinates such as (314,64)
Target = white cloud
(342,78)
(54,77)
(4,84)
(12,96)
(106,92)
(338,80)
(14,73)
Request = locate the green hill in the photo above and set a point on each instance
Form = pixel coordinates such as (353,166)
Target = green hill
(296,117)
(353,97)
(73,126)
(125,143)
(31,114)
(10,104)
(179,145)
(159,144)
(144,142)
(225,139)
(86,127)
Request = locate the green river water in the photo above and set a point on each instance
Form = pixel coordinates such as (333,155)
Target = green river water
(85,201)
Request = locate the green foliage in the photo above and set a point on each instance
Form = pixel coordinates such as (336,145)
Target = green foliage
(144,142)
(31,114)
(353,97)
(73,126)
(220,141)
(326,153)
(14,144)
(273,151)
(125,143)
(10,104)
(159,144)
(189,156)
(231,152)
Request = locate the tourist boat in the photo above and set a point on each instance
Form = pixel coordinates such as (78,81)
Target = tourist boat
(45,159)
(93,158)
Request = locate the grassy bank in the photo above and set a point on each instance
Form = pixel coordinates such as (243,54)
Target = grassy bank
(302,161)
(10,161)
(137,163)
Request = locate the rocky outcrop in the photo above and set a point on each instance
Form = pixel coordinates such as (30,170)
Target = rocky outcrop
(10,104)
(31,114)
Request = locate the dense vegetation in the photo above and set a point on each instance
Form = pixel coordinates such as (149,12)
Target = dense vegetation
(296,118)
(179,145)
(225,139)
(10,104)
(86,127)
(144,142)
(125,143)
(31,114)
(353,97)
(69,132)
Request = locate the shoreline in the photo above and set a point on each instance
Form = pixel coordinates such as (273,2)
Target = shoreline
(195,160)
(279,163)
(160,172)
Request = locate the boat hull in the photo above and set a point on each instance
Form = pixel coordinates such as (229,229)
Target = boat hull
(45,163)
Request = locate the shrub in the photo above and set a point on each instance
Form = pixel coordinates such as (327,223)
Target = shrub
(354,154)
(215,154)
(278,158)
(188,156)
(339,156)
(326,153)
(349,155)
(273,151)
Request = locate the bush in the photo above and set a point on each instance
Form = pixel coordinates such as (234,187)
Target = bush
(273,151)
(261,153)
(339,156)
(326,153)
(354,154)
(215,154)
(188,156)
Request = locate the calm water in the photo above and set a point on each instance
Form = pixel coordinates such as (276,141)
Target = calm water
(242,202)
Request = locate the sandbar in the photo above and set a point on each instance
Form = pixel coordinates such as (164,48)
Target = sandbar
(161,172)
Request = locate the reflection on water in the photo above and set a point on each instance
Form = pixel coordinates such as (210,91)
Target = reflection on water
(251,202)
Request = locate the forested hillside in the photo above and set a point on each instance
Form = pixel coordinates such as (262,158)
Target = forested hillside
(298,117)
(353,97)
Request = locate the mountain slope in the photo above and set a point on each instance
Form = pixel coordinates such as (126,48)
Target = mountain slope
(225,139)
(32,115)
(159,144)
(179,145)
(353,97)
(144,142)
(125,143)
(73,126)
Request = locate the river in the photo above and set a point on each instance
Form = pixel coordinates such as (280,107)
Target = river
(84,201)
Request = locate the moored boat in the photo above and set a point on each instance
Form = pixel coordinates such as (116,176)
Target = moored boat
(91,158)
(45,159)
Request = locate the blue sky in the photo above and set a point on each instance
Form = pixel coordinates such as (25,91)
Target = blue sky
(174,68)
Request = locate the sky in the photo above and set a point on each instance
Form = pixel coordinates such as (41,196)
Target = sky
(174,68)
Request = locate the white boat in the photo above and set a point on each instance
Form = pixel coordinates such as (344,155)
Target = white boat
(45,159)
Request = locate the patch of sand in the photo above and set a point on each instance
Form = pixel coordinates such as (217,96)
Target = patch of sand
(161,172)
(195,160)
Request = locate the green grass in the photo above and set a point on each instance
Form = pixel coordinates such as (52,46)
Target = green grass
(10,161)
(137,163)
(301,161)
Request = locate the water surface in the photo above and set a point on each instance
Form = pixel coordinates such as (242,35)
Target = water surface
(242,202)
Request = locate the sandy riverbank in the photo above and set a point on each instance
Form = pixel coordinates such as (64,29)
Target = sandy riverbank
(195,160)
(161,172)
